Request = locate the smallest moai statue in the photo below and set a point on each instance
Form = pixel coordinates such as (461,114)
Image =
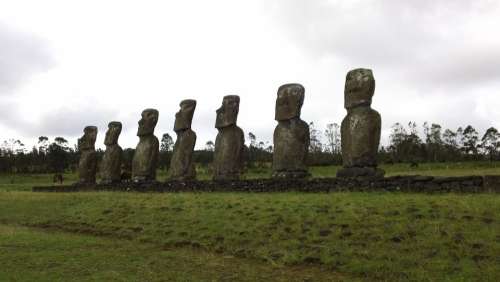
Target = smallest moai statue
(146,154)
(360,129)
(230,141)
(112,159)
(87,166)
(181,165)
(291,136)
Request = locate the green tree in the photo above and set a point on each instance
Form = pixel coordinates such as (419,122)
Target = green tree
(58,155)
(490,142)
(315,145)
(450,144)
(252,150)
(167,143)
(433,142)
(166,147)
(43,144)
(405,145)
(332,134)
(253,139)
(209,146)
(470,139)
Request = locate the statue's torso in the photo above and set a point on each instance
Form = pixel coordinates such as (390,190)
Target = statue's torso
(291,144)
(181,164)
(111,163)
(87,166)
(228,155)
(146,158)
(360,138)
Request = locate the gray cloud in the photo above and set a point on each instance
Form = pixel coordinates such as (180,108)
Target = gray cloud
(430,57)
(434,60)
(70,122)
(472,67)
(425,43)
(63,121)
(21,55)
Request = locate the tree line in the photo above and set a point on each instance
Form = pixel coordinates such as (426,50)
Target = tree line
(406,144)
(439,145)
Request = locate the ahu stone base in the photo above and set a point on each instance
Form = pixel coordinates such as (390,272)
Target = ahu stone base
(361,172)
(415,184)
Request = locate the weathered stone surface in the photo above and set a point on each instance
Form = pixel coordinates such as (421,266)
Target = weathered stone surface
(112,159)
(360,171)
(181,165)
(407,183)
(145,158)
(229,144)
(360,129)
(492,183)
(87,166)
(291,135)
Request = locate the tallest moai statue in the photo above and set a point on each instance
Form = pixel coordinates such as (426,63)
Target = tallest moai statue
(360,129)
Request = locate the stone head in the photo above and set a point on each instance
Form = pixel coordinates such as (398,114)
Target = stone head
(227,114)
(87,141)
(289,101)
(359,88)
(184,116)
(147,123)
(114,130)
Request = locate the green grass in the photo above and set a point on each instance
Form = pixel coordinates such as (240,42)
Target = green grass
(29,254)
(250,237)
(24,182)
(374,236)
(445,169)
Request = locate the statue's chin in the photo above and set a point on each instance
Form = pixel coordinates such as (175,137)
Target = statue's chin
(181,128)
(143,133)
(288,116)
(224,124)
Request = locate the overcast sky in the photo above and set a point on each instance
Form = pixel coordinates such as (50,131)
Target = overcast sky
(68,64)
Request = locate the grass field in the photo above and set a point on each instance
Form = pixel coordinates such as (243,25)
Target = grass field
(30,254)
(250,237)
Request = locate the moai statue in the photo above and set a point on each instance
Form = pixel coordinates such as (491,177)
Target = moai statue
(229,144)
(87,166)
(112,160)
(181,165)
(360,129)
(145,158)
(291,136)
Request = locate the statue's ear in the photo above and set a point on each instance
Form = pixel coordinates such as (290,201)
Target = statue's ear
(372,90)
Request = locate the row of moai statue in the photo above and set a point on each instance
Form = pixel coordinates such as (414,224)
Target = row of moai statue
(360,137)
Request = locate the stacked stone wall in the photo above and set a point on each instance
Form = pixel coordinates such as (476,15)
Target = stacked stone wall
(416,184)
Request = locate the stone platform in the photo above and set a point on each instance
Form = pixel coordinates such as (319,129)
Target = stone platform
(415,183)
